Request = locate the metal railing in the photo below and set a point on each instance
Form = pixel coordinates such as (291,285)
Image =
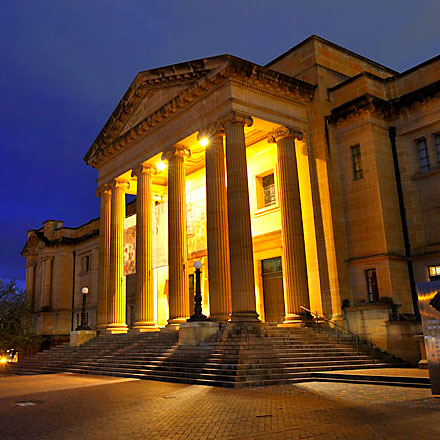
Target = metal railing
(334,329)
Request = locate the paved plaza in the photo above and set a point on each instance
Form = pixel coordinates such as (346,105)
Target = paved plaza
(67,406)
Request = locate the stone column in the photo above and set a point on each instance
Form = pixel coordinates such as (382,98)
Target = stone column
(47,284)
(144,309)
(239,221)
(104,255)
(178,300)
(116,309)
(217,230)
(296,292)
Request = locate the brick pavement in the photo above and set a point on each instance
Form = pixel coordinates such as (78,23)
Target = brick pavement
(108,409)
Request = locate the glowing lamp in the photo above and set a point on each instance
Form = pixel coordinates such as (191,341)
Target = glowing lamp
(197,265)
(161,166)
(85,290)
(204,141)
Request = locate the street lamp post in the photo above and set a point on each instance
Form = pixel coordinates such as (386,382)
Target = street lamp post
(198,315)
(84,326)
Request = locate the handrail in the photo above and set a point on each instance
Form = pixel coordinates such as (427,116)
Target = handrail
(358,338)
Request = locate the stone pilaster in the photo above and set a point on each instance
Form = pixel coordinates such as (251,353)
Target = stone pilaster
(30,286)
(47,284)
(116,309)
(239,221)
(144,308)
(177,247)
(296,292)
(217,230)
(104,255)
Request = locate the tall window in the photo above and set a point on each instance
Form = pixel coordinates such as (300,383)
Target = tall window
(437,147)
(357,162)
(372,288)
(85,262)
(269,190)
(422,153)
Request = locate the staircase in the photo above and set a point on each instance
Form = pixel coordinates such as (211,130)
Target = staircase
(238,355)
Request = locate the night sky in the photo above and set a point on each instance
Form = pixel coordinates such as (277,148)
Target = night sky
(64,65)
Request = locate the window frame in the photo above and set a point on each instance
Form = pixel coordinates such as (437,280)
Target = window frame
(356,162)
(423,168)
(372,289)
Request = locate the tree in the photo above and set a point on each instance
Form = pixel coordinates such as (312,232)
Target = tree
(15,318)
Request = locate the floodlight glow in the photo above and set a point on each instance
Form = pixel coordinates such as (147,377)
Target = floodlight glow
(204,141)
(161,166)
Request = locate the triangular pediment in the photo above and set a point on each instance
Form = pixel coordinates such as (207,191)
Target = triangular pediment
(33,244)
(157,94)
(151,90)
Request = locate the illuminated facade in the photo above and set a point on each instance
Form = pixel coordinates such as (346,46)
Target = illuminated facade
(312,181)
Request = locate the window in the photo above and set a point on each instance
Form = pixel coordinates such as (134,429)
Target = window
(434,273)
(266,190)
(269,190)
(372,288)
(85,263)
(422,153)
(437,147)
(357,162)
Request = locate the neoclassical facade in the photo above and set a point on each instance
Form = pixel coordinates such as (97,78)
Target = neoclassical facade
(312,181)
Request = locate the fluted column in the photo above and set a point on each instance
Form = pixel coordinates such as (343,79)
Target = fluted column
(296,292)
(239,221)
(177,246)
(144,308)
(217,230)
(47,283)
(116,311)
(104,255)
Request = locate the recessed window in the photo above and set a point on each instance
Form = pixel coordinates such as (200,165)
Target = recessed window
(437,147)
(422,154)
(266,190)
(434,273)
(269,190)
(372,288)
(85,263)
(357,162)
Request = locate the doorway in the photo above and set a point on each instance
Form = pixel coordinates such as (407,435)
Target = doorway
(272,273)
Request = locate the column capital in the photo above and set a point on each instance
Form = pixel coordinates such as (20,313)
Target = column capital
(104,188)
(176,150)
(238,118)
(120,183)
(212,130)
(284,132)
(144,168)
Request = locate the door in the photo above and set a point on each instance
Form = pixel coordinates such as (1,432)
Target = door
(272,273)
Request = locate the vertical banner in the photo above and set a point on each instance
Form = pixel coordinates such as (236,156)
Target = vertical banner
(429,305)
(130,245)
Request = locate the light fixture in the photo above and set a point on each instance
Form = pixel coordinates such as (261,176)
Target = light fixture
(161,166)
(85,290)
(204,141)
(197,265)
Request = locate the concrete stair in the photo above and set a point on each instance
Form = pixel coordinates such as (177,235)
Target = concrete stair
(238,355)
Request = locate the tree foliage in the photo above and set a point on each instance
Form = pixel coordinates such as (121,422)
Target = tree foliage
(15,318)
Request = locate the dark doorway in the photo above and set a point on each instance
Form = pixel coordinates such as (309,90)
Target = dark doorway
(272,273)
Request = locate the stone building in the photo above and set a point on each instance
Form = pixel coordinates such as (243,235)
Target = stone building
(311,181)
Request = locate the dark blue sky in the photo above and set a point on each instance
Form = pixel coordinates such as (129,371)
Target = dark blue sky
(64,64)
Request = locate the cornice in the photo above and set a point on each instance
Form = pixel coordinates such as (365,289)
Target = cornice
(235,69)
(388,109)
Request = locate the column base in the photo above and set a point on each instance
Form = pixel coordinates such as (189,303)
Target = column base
(113,329)
(143,326)
(244,317)
(175,322)
(219,318)
(293,321)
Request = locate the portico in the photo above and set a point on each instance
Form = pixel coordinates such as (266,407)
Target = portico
(219,110)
